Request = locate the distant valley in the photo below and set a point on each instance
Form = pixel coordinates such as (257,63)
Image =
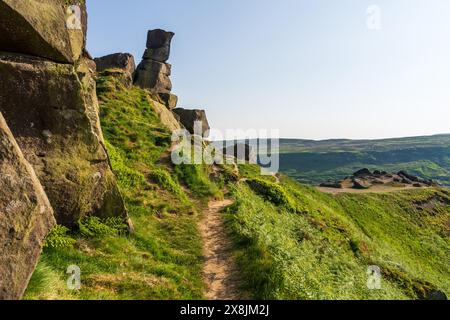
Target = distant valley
(314,162)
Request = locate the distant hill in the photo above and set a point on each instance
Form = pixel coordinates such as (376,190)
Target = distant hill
(314,162)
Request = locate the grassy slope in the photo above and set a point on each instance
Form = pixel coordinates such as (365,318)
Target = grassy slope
(319,252)
(161,259)
(324,252)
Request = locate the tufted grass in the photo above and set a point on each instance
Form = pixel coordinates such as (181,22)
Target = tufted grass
(324,251)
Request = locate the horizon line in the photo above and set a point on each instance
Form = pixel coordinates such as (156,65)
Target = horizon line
(340,139)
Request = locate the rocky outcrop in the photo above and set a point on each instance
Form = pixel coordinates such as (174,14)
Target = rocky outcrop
(362,173)
(365,179)
(153,73)
(26,217)
(118,65)
(44,28)
(121,61)
(52,109)
(194,121)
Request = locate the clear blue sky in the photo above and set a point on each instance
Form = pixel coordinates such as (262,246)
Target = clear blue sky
(310,68)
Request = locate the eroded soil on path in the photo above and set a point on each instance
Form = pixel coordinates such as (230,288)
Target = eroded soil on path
(219,272)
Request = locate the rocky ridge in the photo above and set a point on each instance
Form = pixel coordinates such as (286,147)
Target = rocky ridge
(366,179)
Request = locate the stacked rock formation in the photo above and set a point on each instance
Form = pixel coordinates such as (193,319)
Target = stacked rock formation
(48,99)
(153,72)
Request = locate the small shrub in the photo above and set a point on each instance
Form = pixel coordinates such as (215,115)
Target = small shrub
(165,181)
(59,238)
(273,193)
(94,226)
(126,176)
(354,245)
(197,179)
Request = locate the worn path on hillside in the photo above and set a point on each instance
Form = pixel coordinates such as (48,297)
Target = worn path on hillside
(219,272)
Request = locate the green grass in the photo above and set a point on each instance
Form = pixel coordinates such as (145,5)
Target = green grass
(196,177)
(324,252)
(161,259)
(290,240)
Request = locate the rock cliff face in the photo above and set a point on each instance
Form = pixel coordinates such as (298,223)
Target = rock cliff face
(26,216)
(52,110)
(48,98)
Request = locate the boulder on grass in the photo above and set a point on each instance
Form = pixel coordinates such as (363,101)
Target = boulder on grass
(361,183)
(26,217)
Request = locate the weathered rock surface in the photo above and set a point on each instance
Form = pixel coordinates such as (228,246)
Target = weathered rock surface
(365,179)
(50,29)
(122,76)
(159,38)
(52,110)
(359,183)
(122,61)
(195,121)
(153,73)
(26,217)
(166,116)
(169,100)
(160,54)
(332,184)
(362,173)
